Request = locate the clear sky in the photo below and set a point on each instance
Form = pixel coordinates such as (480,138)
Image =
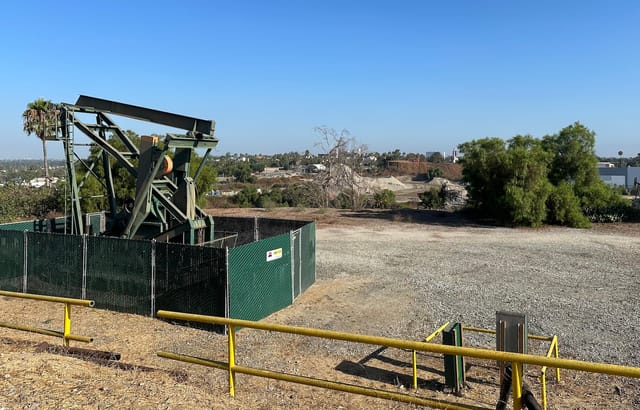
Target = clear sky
(414,75)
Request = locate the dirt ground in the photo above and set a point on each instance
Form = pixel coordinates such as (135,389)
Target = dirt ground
(36,373)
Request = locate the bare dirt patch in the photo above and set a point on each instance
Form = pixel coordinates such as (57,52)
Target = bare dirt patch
(389,273)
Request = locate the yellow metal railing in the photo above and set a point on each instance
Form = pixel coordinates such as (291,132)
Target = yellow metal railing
(414,355)
(517,359)
(553,350)
(66,332)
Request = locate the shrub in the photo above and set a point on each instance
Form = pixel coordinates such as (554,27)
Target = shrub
(248,197)
(564,207)
(433,198)
(384,199)
(430,174)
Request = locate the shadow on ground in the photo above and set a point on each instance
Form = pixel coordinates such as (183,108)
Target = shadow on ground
(421,216)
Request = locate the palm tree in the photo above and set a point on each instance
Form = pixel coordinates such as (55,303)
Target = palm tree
(40,119)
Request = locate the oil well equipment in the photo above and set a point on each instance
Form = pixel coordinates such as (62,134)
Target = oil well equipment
(155,249)
(164,207)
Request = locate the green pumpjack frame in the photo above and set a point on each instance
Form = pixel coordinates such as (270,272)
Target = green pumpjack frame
(164,207)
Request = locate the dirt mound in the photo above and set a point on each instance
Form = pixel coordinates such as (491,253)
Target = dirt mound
(390,183)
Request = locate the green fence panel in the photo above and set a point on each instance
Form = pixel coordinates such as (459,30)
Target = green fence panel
(119,274)
(244,227)
(18,226)
(190,279)
(11,260)
(54,264)
(122,274)
(308,244)
(269,227)
(260,278)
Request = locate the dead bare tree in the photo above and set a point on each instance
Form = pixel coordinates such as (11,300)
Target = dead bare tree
(343,159)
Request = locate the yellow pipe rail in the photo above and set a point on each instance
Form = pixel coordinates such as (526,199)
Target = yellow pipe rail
(310,381)
(414,356)
(491,331)
(66,333)
(516,358)
(553,350)
(436,332)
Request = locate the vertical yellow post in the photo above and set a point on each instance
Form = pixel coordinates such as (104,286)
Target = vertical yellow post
(543,387)
(415,372)
(516,385)
(67,324)
(232,360)
(555,349)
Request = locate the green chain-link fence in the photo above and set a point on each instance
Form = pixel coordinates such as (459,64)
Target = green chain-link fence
(249,281)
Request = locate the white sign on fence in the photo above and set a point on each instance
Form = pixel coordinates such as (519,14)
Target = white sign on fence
(274,254)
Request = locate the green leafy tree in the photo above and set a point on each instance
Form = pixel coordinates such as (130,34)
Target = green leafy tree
(242,173)
(527,188)
(40,118)
(206,179)
(574,161)
(508,181)
(527,181)
(485,173)
(436,157)
(93,192)
(19,202)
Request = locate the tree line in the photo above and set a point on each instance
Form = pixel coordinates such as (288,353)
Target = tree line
(524,180)
(533,181)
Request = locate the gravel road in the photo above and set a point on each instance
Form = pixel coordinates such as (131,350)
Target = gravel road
(404,280)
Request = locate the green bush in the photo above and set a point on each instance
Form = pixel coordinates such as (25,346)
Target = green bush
(563,207)
(302,195)
(384,199)
(430,174)
(433,198)
(247,197)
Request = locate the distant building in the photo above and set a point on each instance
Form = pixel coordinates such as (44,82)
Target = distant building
(40,182)
(605,165)
(626,176)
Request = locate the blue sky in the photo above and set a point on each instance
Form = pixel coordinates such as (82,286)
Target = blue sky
(414,75)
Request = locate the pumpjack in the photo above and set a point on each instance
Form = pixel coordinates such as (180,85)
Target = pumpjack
(164,207)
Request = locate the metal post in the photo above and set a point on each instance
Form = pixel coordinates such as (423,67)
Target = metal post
(555,349)
(516,384)
(232,360)
(84,265)
(153,277)
(256,231)
(67,324)
(25,262)
(293,265)
(415,371)
(543,387)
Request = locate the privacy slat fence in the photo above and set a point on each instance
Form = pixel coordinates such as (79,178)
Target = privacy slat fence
(273,262)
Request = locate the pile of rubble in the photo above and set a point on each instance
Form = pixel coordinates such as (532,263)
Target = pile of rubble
(456,195)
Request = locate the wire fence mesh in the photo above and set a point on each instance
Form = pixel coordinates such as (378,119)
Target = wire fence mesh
(250,281)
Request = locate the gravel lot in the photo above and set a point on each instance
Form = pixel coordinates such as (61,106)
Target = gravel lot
(409,278)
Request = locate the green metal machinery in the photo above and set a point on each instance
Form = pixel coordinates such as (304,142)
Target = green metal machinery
(164,207)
